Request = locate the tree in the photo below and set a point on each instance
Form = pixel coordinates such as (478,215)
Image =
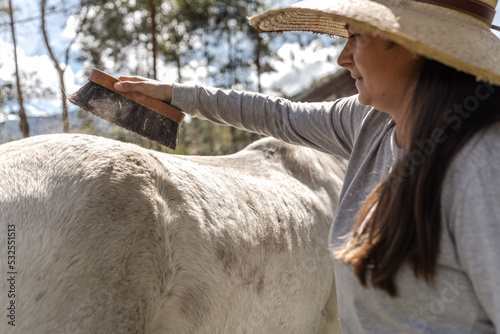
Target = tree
(5,87)
(6,96)
(57,65)
(214,35)
(110,37)
(23,123)
(6,93)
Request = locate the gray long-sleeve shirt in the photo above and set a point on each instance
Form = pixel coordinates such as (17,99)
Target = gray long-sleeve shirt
(465,297)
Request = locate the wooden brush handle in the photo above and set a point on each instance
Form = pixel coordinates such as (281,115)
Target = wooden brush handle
(106,80)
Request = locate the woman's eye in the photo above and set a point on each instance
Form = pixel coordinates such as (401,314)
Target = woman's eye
(354,36)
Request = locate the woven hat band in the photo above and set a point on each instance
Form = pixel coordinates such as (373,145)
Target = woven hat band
(475,8)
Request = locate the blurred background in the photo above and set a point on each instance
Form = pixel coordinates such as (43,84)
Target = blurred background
(208,42)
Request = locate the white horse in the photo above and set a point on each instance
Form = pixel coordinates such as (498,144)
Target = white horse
(107,237)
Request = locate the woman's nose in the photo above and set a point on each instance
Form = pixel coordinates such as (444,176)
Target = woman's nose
(345,57)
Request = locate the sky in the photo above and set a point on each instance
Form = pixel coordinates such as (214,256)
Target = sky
(294,73)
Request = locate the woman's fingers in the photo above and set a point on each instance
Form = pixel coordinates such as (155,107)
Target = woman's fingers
(135,78)
(131,86)
(152,88)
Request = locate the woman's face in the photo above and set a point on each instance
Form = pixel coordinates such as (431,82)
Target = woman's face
(384,72)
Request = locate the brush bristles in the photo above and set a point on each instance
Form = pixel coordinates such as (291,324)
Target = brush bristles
(125,113)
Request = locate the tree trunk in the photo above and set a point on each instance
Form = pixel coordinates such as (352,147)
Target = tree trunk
(258,50)
(152,5)
(179,68)
(23,121)
(60,71)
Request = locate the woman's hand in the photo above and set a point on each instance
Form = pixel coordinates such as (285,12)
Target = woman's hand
(153,88)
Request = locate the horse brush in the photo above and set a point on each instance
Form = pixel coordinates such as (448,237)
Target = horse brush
(144,115)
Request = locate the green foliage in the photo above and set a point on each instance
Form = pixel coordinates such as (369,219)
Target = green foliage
(106,32)
(127,136)
(32,89)
(6,93)
(87,124)
(211,34)
(4,8)
(119,32)
(219,38)
(205,138)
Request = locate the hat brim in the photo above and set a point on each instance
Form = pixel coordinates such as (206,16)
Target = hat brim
(442,34)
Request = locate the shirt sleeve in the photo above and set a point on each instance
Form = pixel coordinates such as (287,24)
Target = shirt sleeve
(330,127)
(477,234)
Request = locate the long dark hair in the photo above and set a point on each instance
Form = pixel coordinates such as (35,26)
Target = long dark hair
(401,218)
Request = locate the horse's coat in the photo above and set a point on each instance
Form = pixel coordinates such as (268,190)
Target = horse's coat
(113,238)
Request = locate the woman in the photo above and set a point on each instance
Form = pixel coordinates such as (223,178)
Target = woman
(416,235)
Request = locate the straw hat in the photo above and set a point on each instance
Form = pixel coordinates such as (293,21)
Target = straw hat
(454,32)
